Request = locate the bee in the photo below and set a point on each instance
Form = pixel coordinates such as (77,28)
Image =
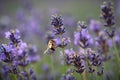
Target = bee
(51,47)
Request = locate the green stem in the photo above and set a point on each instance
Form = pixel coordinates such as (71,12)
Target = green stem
(63,53)
(117,56)
(23,67)
(92,76)
(12,73)
(81,77)
(29,78)
(116,53)
(52,65)
(85,71)
(84,75)
(62,49)
(102,77)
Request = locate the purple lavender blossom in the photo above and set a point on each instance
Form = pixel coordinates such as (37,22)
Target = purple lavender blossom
(5,54)
(17,54)
(7,35)
(82,38)
(57,24)
(102,43)
(68,75)
(5,71)
(82,24)
(69,53)
(117,40)
(23,46)
(94,26)
(99,73)
(109,42)
(72,58)
(25,75)
(110,33)
(15,69)
(56,21)
(94,58)
(63,43)
(22,50)
(107,14)
(14,36)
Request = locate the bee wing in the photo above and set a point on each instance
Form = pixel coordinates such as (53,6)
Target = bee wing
(46,51)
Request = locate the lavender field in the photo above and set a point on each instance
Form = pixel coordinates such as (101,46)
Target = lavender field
(59,40)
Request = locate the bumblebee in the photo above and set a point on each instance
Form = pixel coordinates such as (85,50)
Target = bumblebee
(51,46)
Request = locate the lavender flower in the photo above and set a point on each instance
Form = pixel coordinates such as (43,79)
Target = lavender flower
(82,38)
(90,69)
(77,60)
(94,26)
(68,76)
(107,14)
(63,43)
(80,59)
(14,36)
(110,33)
(5,71)
(117,39)
(15,69)
(32,74)
(22,50)
(57,24)
(69,53)
(102,43)
(25,75)
(94,58)
(5,54)
(101,71)
(17,54)
(82,24)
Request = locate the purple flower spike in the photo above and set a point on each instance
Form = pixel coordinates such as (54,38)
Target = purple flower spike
(117,40)
(77,60)
(14,36)
(82,38)
(63,43)
(57,23)
(94,26)
(7,35)
(82,24)
(107,14)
